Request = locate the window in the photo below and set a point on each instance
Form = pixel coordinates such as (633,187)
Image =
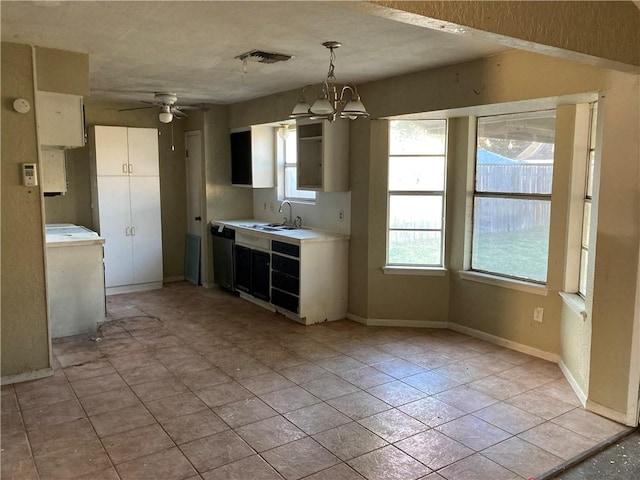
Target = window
(288,168)
(416,189)
(588,196)
(512,197)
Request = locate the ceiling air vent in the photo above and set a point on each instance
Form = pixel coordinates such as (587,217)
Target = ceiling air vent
(260,56)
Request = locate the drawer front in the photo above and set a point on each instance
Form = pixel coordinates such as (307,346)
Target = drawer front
(290,266)
(286,248)
(285,300)
(285,282)
(250,240)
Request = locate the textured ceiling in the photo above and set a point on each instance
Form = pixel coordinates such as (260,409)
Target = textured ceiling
(137,47)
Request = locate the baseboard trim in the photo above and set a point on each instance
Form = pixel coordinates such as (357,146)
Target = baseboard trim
(503,342)
(573,383)
(25,377)
(178,278)
(385,322)
(141,287)
(610,413)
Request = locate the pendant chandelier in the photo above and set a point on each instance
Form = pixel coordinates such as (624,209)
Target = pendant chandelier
(331,104)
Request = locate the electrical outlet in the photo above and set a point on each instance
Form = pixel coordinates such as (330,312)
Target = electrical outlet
(341,215)
(538,312)
(264,207)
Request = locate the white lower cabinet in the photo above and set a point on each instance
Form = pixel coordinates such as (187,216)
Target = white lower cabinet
(309,279)
(126,213)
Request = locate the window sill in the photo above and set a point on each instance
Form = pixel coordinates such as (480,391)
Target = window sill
(512,284)
(421,271)
(575,302)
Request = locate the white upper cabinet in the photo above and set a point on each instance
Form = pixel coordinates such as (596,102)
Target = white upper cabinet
(126,151)
(323,155)
(60,120)
(253,157)
(54,171)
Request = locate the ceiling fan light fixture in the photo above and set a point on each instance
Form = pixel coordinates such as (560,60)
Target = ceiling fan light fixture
(165,115)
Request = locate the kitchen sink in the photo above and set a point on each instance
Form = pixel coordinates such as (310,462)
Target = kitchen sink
(272,227)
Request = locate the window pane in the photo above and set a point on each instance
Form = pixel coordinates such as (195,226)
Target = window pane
(290,190)
(590,166)
(586,223)
(415,211)
(584,260)
(417,137)
(515,153)
(516,178)
(511,237)
(416,173)
(415,248)
(290,147)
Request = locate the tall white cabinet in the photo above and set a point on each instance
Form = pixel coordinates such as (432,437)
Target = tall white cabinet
(125,189)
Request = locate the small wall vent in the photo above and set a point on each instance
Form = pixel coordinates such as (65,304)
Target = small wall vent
(260,56)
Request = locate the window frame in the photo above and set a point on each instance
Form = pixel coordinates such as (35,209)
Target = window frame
(587,201)
(418,268)
(283,165)
(472,272)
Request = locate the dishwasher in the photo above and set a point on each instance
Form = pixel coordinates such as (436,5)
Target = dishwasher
(223,240)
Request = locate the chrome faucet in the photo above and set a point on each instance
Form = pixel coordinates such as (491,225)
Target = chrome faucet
(290,220)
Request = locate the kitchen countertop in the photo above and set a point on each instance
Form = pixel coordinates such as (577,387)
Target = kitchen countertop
(302,234)
(67,234)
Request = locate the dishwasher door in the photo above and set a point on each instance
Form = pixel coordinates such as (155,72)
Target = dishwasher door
(223,257)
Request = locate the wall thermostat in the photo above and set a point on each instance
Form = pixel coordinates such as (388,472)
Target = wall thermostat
(21,105)
(29,175)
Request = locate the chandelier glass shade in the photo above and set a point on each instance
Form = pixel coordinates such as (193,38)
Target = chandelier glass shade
(330,103)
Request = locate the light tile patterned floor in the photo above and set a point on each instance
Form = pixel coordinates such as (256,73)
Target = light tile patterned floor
(192,383)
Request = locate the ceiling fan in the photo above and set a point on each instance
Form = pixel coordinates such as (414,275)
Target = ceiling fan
(168,107)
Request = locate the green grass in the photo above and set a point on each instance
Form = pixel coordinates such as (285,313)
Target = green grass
(520,254)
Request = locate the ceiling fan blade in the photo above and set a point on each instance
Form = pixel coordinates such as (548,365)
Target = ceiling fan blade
(200,108)
(135,108)
(178,113)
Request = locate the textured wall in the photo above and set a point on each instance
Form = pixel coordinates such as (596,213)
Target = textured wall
(25,338)
(603,33)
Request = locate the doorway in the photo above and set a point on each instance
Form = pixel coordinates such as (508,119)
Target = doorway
(195,224)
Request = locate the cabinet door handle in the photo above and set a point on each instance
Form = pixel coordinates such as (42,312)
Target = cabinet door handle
(130,168)
(127,231)
(133,231)
(125,168)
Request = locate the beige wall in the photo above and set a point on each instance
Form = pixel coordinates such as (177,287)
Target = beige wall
(25,338)
(224,202)
(617,241)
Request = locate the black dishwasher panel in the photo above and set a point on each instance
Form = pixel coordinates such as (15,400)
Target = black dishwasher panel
(290,266)
(260,270)
(223,257)
(286,248)
(243,268)
(284,300)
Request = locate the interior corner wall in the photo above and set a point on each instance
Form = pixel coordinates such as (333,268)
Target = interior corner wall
(359,181)
(223,201)
(25,337)
(617,243)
